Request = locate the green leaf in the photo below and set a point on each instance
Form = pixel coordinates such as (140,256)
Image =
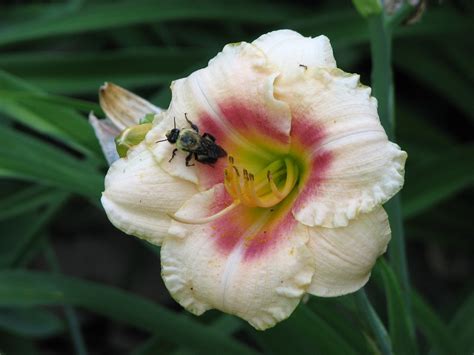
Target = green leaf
(18,237)
(400,328)
(27,158)
(66,102)
(24,200)
(438,334)
(462,326)
(411,120)
(435,179)
(344,27)
(442,20)
(225,324)
(30,322)
(46,117)
(13,344)
(303,332)
(340,313)
(435,75)
(20,288)
(68,73)
(113,15)
(373,320)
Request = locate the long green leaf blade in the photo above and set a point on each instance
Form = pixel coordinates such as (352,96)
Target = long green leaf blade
(438,178)
(400,328)
(21,288)
(438,334)
(304,331)
(27,158)
(108,16)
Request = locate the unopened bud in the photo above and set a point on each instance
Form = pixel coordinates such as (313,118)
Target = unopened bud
(368,7)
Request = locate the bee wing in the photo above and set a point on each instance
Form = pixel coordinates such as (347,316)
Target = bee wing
(220,151)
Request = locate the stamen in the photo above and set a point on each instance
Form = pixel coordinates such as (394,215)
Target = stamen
(261,190)
(251,190)
(205,220)
(273,186)
(228,184)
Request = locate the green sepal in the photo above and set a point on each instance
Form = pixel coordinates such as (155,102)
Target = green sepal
(130,137)
(148,118)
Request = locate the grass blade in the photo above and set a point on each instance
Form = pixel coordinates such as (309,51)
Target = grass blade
(304,331)
(69,73)
(436,179)
(24,200)
(27,158)
(438,334)
(30,322)
(18,237)
(400,327)
(113,15)
(46,117)
(21,288)
(429,68)
(462,326)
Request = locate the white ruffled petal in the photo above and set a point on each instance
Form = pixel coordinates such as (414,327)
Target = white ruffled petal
(228,267)
(138,195)
(351,165)
(345,256)
(293,53)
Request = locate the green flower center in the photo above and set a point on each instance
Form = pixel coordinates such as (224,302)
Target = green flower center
(265,189)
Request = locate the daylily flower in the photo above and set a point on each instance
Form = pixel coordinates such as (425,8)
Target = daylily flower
(294,208)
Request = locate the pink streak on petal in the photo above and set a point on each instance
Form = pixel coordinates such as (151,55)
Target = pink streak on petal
(310,136)
(229,228)
(246,119)
(208,124)
(319,166)
(268,238)
(306,132)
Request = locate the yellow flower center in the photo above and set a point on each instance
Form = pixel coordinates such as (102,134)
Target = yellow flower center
(265,189)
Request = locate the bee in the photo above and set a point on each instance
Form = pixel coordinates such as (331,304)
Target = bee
(203,148)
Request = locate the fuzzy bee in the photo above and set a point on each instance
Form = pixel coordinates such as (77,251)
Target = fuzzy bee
(204,148)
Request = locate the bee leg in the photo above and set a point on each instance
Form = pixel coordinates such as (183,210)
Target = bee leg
(193,126)
(172,155)
(210,136)
(188,158)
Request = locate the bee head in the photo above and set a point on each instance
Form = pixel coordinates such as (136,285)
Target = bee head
(172,135)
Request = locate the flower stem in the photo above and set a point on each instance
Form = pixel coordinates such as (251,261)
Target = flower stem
(382,83)
(372,318)
(382,77)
